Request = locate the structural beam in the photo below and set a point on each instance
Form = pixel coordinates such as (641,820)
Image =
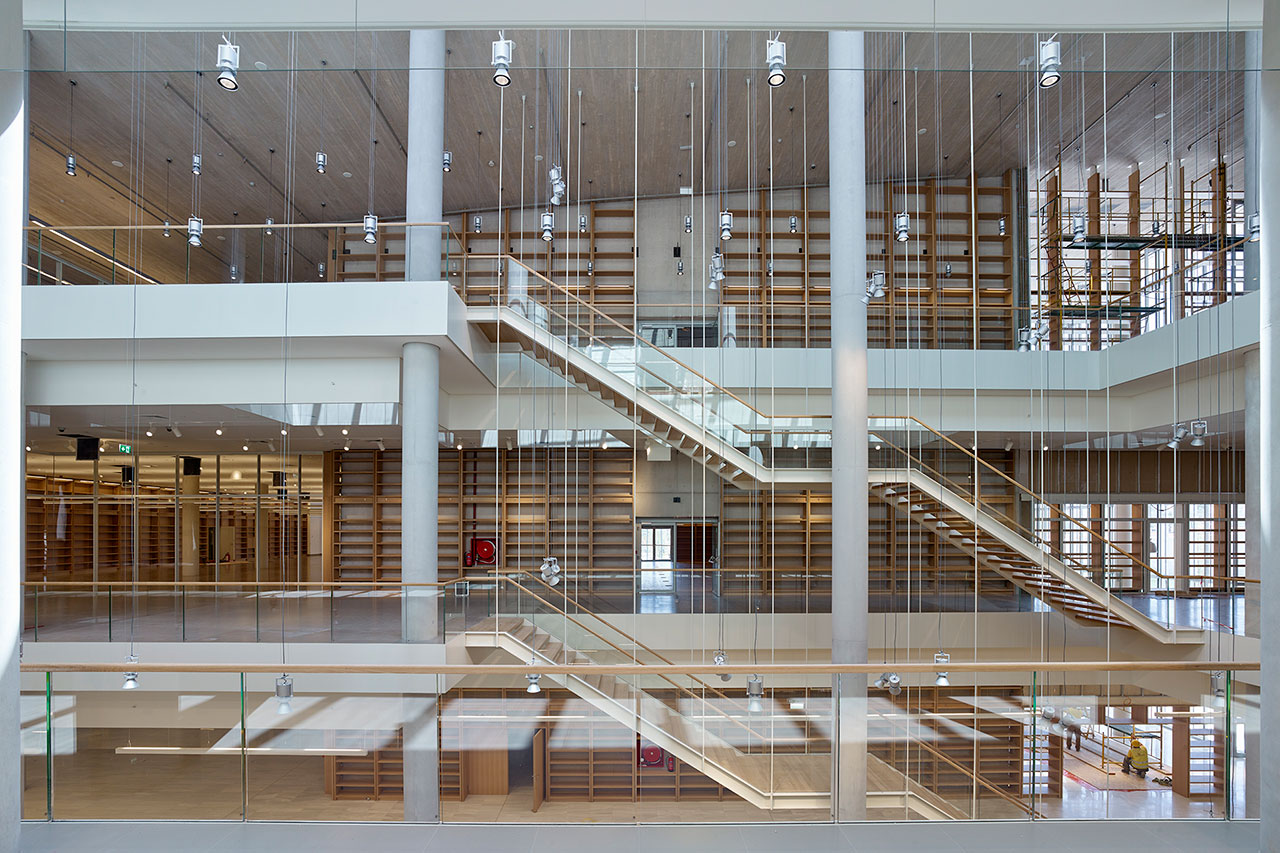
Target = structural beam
(848,416)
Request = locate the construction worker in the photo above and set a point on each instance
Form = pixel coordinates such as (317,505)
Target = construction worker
(1136,760)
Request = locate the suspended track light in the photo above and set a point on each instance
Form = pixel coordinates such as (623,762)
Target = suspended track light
(755,694)
(130,678)
(196,162)
(1255,221)
(1179,433)
(1001,226)
(477,222)
(793,223)
(881,682)
(894,683)
(149,433)
(320,270)
(322,161)
(715,270)
(270,222)
(501,61)
(875,287)
(167,225)
(284,694)
(591,268)
(775,51)
(688,224)
(550,570)
(228,65)
(942,658)
(582,223)
(901,227)
(370,228)
(679,267)
(1050,63)
(71,165)
(235,273)
(548,226)
(556,178)
(726,225)
(195,229)
(1199,429)
(1077,229)
(947,270)
(720,659)
(448,161)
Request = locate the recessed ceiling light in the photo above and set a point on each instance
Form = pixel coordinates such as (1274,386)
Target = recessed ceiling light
(346,174)
(221,237)
(732,142)
(537,158)
(922,131)
(260,65)
(117,164)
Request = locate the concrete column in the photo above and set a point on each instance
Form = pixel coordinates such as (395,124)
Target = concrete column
(190,515)
(420,476)
(13,203)
(425,180)
(848,416)
(421,759)
(1267,522)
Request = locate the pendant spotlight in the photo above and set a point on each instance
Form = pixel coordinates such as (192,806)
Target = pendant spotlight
(875,287)
(477,222)
(130,678)
(688,225)
(71,165)
(502,61)
(726,225)
(448,161)
(720,659)
(942,658)
(1024,339)
(1001,226)
(679,267)
(1077,229)
(591,268)
(775,51)
(1180,432)
(532,677)
(715,270)
(284,694)
(270,222)
(550,570)
(1255,221)
(548,226)
(322,161)
(195,228)
(167,224)
(890,681)
(1050,63)
(228,65)
(370,228)
(1199,429)
(582,223)
(71,128)
(755,694)
(557,184)
(901,226)
(196,162)
(793,223)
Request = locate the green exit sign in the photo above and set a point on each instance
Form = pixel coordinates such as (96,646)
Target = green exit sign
(126,448)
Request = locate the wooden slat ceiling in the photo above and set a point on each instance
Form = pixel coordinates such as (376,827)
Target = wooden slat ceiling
(575,100)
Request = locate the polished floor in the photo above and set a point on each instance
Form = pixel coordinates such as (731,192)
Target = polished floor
(1040,836)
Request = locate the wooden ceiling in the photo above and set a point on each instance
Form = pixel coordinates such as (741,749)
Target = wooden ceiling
(624,112)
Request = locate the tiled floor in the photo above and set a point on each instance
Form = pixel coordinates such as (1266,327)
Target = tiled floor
(1041,836)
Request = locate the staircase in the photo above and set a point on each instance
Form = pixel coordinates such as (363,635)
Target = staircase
(675,404)
(766,779)
(997,546)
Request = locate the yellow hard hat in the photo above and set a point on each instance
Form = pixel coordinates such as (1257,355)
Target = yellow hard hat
(1136,742)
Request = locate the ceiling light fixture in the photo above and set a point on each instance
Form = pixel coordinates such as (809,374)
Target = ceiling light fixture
(477,222)
(71,128)
(167,224)
(245,447)
(550,571)
(720,659)
(448,161)
(1255,221)
(370,228)
(591,268)
(130,678)
(582,223)
(381,444)
(284,430)
(533,678)
(322,161)
(270,223)
(942,658)
(1179,433)
(228,65)
(793,223)
(726,225)
(679,267)
(1001,226)
(557,184)
(284,694)
(177,433)
(319,430)
(688,225)
(345,431)
(218,431)
(1077,229)
(196,162)
(901,226)
(149,432)
(1199,429)
(71,165)
(548,226)
(775,51)
(715,270)
(195,228)
(755,694)
(1050,63)
(1008,445)
(875,287)
(501,62)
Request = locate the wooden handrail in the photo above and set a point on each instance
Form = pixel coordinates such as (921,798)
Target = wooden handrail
(641,670)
